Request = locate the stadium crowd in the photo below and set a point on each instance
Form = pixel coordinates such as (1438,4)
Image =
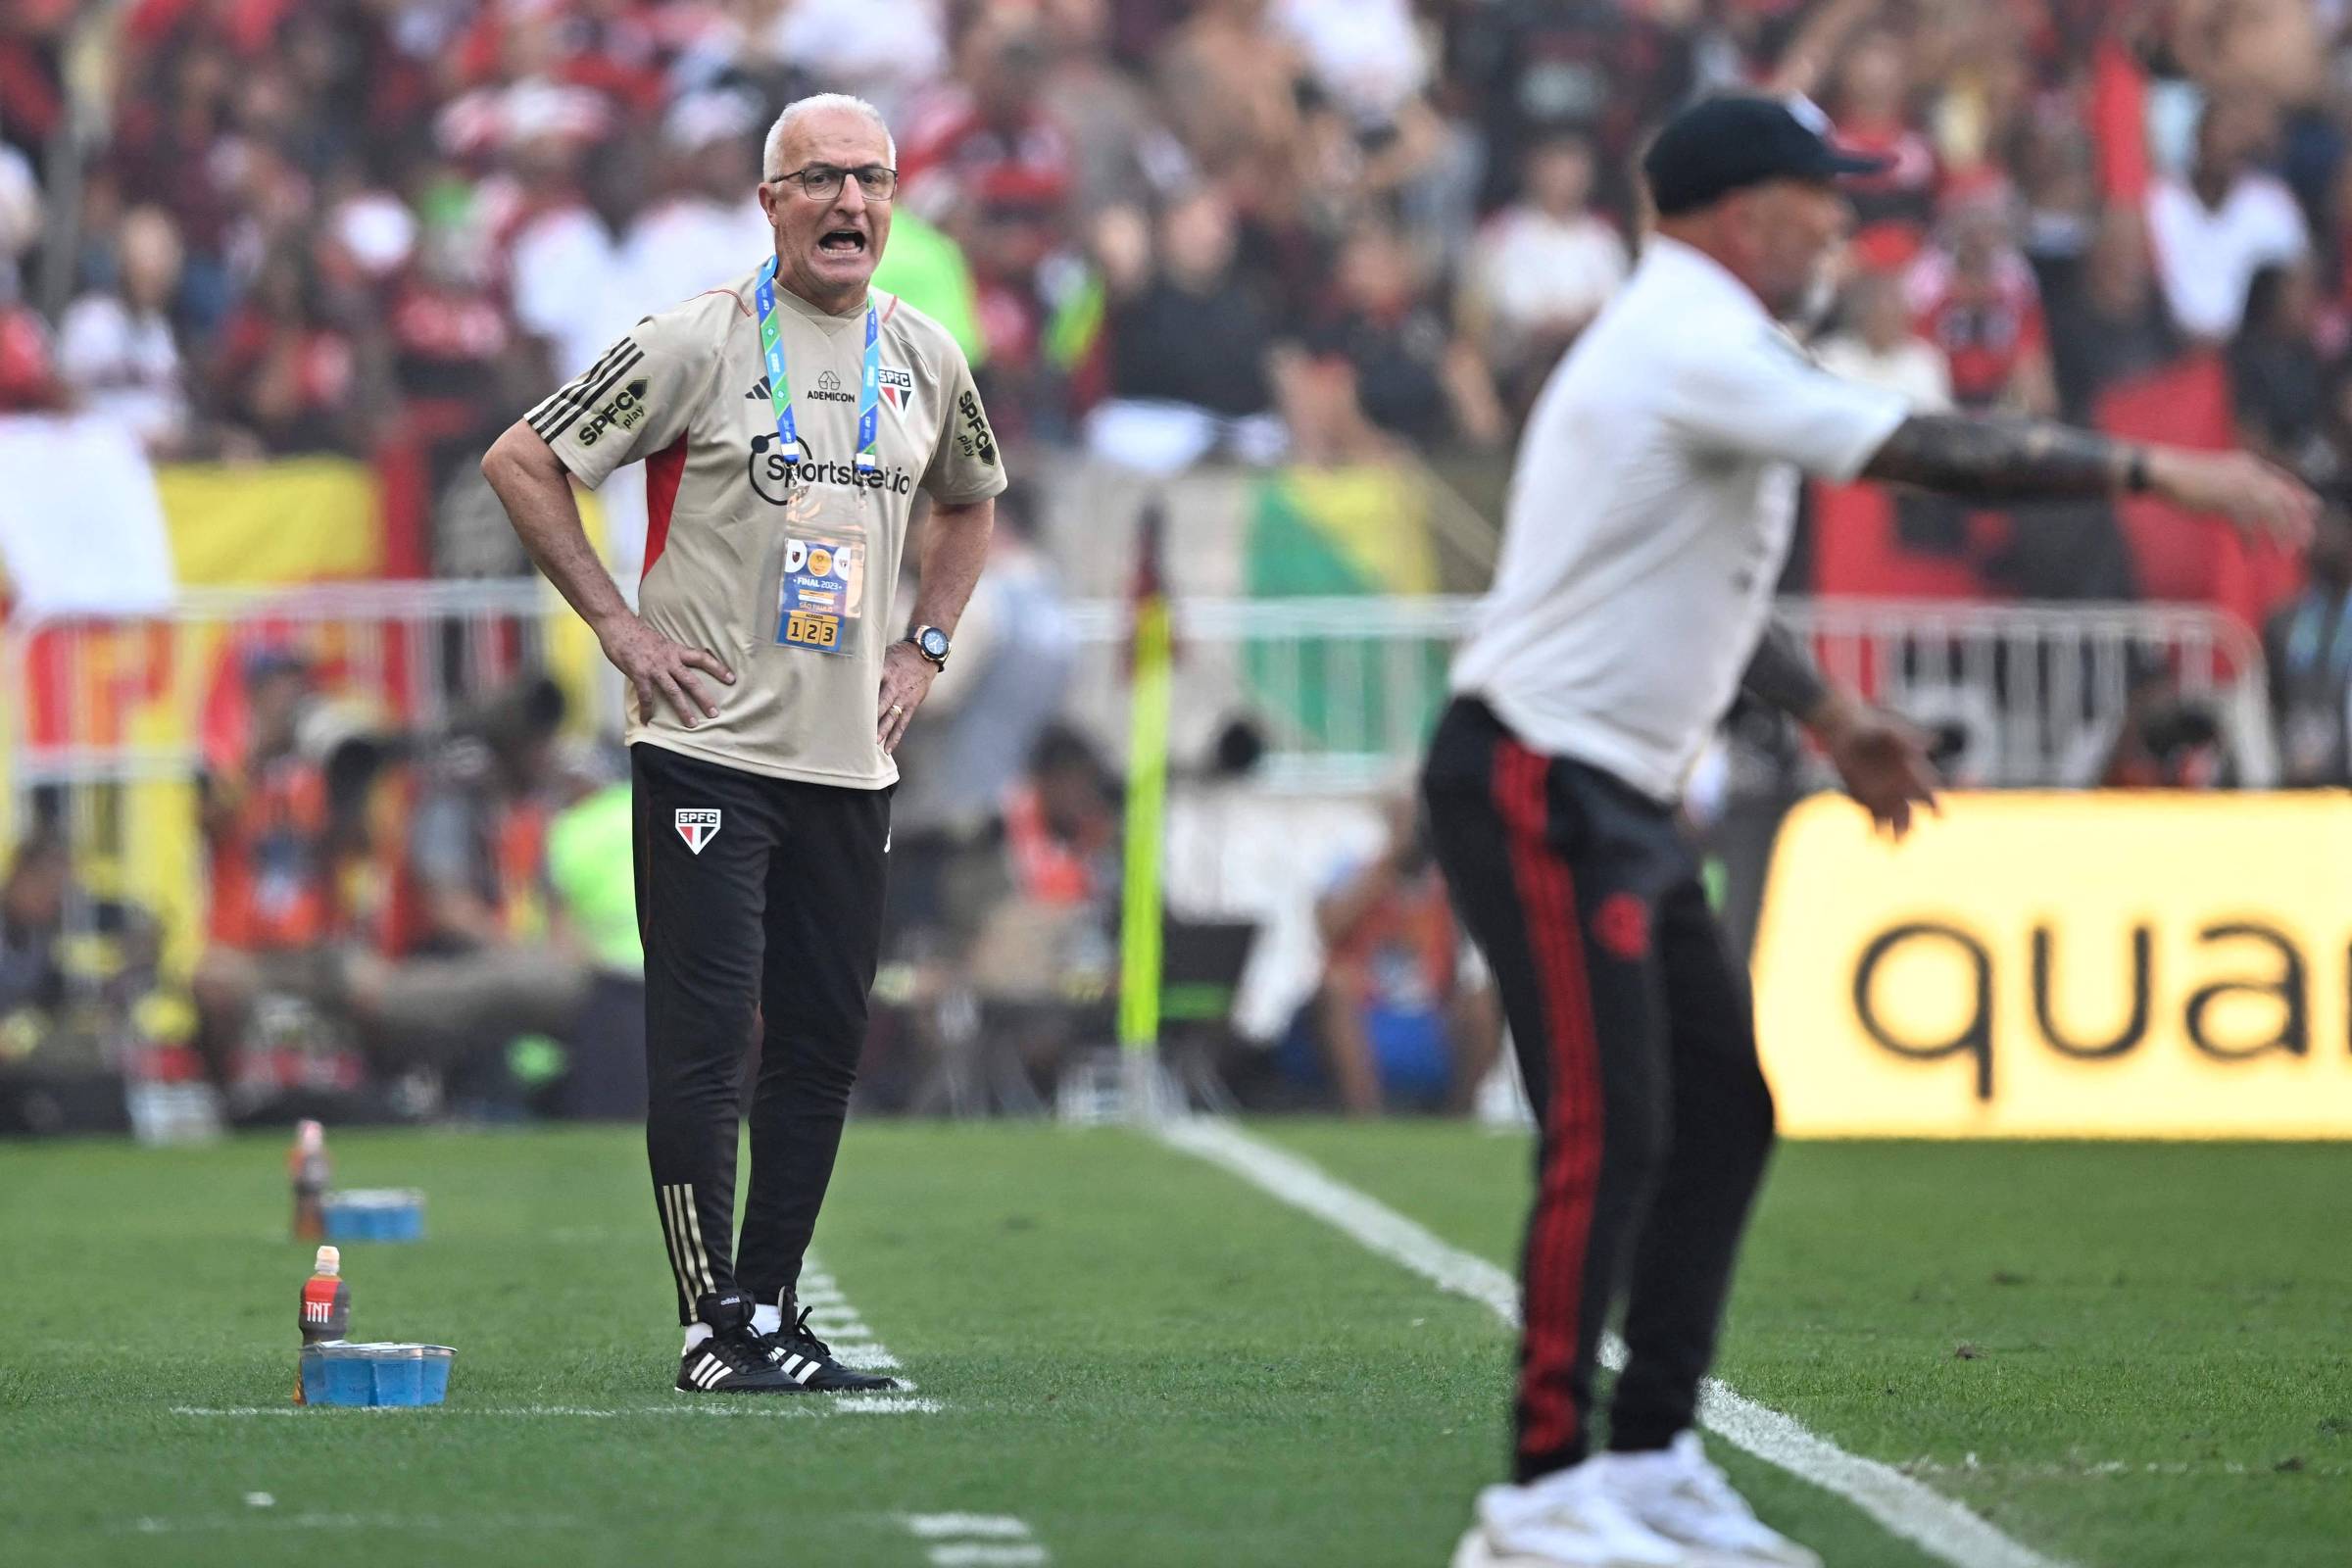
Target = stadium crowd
(1311,227)
(1309,231)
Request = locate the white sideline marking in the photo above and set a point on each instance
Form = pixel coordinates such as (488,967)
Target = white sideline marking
(1926,1518)
(882,1404)
(834,1320)
(989,1540)
(932,1525)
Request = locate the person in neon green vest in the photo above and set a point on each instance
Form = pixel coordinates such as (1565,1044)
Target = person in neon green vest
(926,268)
(591,871)
(589,865)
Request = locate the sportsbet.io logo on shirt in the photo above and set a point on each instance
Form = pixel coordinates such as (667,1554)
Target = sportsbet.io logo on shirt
(774,477)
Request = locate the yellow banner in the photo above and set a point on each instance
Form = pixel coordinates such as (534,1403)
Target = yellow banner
(294,519)
(2080,965)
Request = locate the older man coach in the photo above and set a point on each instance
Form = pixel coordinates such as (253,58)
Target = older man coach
(785,423)
(1649,519)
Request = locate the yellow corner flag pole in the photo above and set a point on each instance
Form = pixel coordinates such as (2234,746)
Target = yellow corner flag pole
(1151,685)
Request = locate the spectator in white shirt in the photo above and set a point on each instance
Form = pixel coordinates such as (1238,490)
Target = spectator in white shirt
(561,257)
(1878,347)
(1546,264)
(116,351)
(885,51)
(707,231)
(1367,54)
(2227,220)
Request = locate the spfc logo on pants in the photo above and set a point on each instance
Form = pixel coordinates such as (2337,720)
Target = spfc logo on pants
(697,826)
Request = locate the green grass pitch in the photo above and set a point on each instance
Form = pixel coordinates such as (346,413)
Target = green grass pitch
(2126,1356)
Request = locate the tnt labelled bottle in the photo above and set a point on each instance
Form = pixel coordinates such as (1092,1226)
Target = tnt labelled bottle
(309,1171)
(325,1308)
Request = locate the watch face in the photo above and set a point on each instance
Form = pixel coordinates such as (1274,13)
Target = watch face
(935,642)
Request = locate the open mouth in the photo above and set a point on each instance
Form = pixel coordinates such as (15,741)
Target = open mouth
(842,242)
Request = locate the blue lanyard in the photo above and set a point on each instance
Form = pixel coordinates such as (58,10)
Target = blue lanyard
(779,389)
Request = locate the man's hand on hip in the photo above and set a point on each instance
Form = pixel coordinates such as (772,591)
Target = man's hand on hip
(659,667)
(907,677)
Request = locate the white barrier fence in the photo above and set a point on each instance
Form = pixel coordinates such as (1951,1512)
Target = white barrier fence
(1348,687)
(2037,692)
(1345,687)
(122,700)
(108,723)
(113,720)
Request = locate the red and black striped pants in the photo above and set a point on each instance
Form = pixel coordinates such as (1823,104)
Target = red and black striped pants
(1634,1035)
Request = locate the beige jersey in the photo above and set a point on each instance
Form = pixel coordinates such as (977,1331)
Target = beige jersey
(785,571)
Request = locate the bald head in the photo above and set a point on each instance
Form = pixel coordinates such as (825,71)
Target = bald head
(798,121)
(829,231)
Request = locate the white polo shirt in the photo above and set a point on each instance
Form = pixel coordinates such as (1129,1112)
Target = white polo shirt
(1650,514)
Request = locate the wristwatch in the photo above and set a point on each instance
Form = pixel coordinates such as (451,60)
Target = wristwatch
(932,643)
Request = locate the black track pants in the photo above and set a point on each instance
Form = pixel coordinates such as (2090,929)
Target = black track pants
(749,890)
(1634,1032)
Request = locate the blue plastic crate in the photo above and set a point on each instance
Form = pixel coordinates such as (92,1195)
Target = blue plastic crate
(374,1215)
(375,1375)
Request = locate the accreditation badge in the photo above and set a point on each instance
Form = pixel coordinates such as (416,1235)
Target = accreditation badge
(821,593)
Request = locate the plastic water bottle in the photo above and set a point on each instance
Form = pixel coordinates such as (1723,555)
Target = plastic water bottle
(308,1167)
(326,1307)
(326,1300)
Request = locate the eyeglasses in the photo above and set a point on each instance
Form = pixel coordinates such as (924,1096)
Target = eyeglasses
(822,183)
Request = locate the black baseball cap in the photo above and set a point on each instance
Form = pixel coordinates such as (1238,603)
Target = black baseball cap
(1720,145)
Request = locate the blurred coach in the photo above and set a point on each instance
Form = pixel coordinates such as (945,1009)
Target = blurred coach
(1649,515)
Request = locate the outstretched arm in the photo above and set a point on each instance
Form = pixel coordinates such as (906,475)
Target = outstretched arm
(1995,459)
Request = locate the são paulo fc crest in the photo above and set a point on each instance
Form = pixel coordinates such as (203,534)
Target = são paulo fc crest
(697,826)
(898,387)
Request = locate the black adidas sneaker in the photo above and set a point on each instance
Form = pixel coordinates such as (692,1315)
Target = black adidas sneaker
(808,1361)
(735,1359)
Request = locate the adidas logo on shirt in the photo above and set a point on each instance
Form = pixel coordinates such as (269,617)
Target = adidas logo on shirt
(827,390)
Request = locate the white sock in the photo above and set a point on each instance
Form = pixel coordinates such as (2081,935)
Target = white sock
(767,1319)
(696,1333)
